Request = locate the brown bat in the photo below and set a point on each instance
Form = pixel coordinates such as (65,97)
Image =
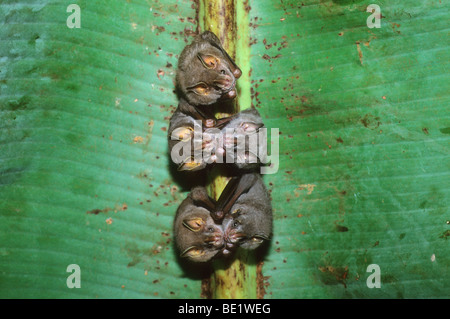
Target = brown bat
(243,210)
(182,129)
(242,141)
(206,73)
(197,236)
(248,216)
(218,209)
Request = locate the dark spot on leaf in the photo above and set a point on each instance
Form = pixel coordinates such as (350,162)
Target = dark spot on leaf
(371,122)
(21,104)
(341,228)
(94,211)
(445,130)
(423,204)
(445,234)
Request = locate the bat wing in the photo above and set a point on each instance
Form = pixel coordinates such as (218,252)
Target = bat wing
(197,114)
(201,198)
(234,189)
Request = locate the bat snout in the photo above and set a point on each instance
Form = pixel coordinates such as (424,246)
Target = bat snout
(225,83)
(237,73)
(234,237)
(216,239)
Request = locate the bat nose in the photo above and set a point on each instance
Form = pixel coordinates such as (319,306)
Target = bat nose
(216,239)
(224,83)
(237,73)
(234,237)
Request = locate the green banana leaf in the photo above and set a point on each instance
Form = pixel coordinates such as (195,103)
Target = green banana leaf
(363,119)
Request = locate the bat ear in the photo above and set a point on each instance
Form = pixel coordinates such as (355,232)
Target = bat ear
(182,133)
(199,89)
(190,165)
(209,61)
(194,224)
(210,37)
(259,238)
(193,252)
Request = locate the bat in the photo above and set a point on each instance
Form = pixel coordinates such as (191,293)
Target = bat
(206,73)
(236,138)
(242,141)
(242,216)
(243,210)
(197,236)
(248,217)
(183,143)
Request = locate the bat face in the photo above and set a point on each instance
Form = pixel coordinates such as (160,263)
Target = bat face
(189,136)
(197,237)
(242,138)
(206,73)
(235,139)
(180,134)
(246,228)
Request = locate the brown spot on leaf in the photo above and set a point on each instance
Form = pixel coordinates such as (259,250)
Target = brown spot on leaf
(360,54)
(160,73)
(341,228)
(261,281)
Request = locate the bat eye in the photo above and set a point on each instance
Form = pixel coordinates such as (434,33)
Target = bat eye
(211,229)
(222,72)
(235,224)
